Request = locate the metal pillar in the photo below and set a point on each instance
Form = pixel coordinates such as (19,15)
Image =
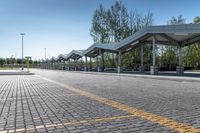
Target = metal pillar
(142,68)
(85,69)
(180,68)
(81,63)
(49,65)
(119,62)
(154,68)
(180,56)
(100,61)
(154,51)
(69,65)
(64,63)
(22,50)
(90,64)
(75,63)
(98,68)
(103,62)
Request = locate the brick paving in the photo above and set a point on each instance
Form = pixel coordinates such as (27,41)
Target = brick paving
(178,100)
(32,104)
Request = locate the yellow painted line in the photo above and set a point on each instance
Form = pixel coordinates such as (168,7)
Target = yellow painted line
(164,121)
(69,123)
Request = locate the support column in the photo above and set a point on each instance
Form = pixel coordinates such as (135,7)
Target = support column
(90,64)
(69,64)
(75,63)
(119,61)
(61,64)
(85,69)
(64,65)
(101,61)
(142,68)
(58,65)
(82,64)
(180,68)
(154,68)
(98,68)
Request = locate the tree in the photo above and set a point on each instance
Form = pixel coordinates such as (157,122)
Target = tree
(115,24)
(196,20)
(99,30)
(177,20)
(118,22)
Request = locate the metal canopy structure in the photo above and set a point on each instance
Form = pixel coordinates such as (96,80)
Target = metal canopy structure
(93,50)
(175,35)
(75,54)
(61,57)
(53,59)
(184,35)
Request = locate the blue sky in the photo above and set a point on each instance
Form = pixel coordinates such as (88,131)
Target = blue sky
(63,25)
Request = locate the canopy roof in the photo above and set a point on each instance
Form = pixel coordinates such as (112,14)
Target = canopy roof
(184,34)
(61,57)
(53,59)
(93,49)
(75,54)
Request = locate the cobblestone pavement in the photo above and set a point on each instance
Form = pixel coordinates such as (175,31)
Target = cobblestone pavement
(31,104)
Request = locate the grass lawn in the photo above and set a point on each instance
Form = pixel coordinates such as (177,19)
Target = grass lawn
(9,68)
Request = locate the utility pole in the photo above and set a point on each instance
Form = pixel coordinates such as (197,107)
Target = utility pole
(22,34)
(45,52)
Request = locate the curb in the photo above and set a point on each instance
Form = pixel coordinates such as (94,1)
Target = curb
(156,77)
(15,73)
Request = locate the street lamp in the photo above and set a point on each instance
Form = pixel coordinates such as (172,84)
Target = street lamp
(22,34)
(45,52)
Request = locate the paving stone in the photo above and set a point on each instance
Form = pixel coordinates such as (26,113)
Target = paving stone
(30,102)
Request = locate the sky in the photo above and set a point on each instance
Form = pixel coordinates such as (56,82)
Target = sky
(63,25)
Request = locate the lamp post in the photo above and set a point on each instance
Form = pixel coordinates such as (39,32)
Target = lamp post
(22,34)
(45,52)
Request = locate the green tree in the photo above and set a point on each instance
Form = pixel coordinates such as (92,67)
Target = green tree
(99,30)
(177,20)
(196,20)
(118,17)
(115,24)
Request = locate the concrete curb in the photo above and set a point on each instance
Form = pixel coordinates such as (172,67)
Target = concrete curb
(156,77)
(16,73)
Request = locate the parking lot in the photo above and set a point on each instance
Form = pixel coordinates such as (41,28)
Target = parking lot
(58,101)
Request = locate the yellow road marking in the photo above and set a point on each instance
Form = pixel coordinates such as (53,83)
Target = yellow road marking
(169,123)
(69,123)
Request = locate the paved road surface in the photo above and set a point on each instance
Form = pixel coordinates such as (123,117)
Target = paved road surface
(56,101)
